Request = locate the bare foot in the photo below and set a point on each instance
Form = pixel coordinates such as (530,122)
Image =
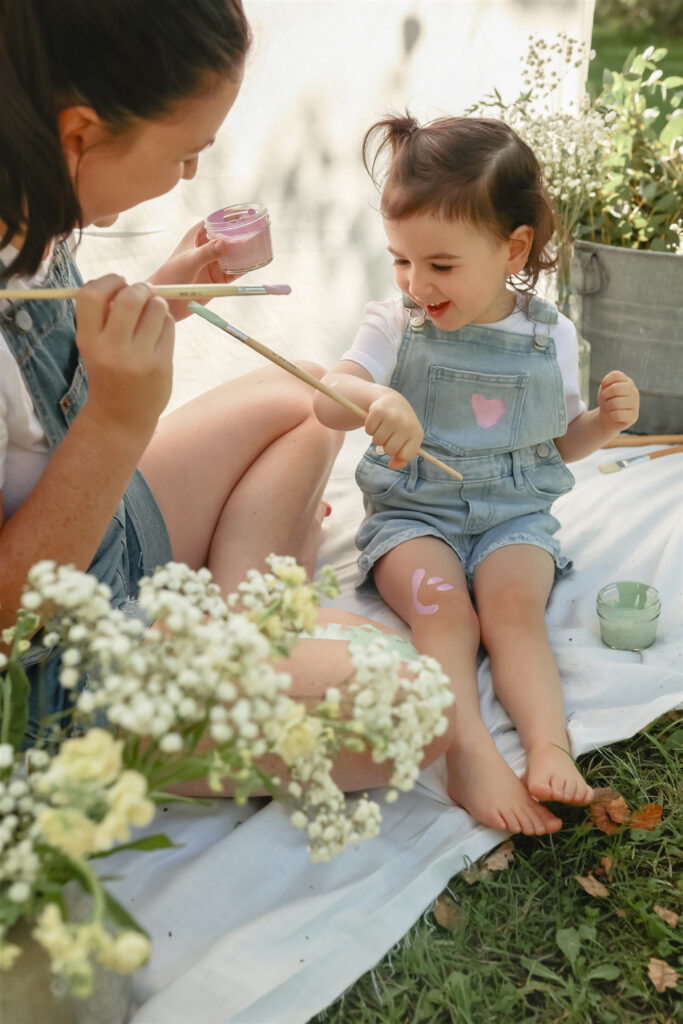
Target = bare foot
(309,549)
(482,782)
(552,775)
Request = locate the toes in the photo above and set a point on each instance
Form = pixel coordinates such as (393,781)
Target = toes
(541,790)
(512,822)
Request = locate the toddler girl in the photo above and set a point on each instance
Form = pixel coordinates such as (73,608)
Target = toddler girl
(484,375)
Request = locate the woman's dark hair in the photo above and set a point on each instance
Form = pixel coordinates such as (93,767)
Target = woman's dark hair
(464,168)
(129,60)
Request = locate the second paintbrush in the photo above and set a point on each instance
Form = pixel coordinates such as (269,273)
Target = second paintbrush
(292,368)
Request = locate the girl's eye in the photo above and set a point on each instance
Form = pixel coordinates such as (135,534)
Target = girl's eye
(435,266)
(400,263)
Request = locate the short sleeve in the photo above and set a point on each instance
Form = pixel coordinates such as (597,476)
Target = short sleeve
(567,351)
(378,338)
(4,432)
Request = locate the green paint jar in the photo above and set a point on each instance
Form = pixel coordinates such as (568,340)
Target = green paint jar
(628,614)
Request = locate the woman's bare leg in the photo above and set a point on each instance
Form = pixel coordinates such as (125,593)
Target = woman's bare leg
(512,587)
(314,666)
(444,625)
(239,471)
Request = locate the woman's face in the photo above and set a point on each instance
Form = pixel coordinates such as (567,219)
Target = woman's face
(112,173)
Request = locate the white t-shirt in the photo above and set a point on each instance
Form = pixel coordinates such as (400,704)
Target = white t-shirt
(24,452)
(377,342)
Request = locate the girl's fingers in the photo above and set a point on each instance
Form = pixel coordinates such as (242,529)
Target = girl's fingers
(93,302)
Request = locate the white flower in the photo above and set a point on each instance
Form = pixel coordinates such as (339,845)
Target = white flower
(19,892)
(6,755)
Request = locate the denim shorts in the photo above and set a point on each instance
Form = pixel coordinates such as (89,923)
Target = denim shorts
(535,528)
(138,543)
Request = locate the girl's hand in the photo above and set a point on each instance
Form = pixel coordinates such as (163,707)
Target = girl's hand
(193,261)
(618,401)
(392,424)
(125,334)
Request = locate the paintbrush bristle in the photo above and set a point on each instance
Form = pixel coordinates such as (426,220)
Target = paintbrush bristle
(277,289)
(609,467)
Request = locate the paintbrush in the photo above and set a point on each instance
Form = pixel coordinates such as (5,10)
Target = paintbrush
(292,368)
(167,291)
(614,467)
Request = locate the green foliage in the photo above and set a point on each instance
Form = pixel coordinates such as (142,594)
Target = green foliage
(639,199)
(661,15)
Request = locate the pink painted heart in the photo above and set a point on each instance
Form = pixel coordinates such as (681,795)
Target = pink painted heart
(487,411)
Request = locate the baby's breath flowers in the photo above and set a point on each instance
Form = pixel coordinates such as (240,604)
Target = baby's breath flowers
(200,694)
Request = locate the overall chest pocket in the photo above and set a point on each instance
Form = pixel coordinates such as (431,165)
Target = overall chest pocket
(470,413)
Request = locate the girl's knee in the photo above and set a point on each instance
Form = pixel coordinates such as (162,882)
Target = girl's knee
(452,610)
(513,603)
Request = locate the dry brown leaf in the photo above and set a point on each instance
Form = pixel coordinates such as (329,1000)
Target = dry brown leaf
(661,975)
(670,916)
(607,863)
(618,810)
(447,913)
(474,874)
(603,800)
(620,912)
(647,816)
(591,885)
(501,857)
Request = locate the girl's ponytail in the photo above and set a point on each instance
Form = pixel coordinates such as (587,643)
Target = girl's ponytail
(393,133)
(36,195)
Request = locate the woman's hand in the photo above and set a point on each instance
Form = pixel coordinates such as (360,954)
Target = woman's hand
(193,261)
(125,335)
(392,424)
(618,401)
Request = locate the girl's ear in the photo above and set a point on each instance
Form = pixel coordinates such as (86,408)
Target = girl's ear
(519,247)
(79,128)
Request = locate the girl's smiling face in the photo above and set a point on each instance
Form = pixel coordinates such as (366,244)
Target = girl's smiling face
(455,270)
(114,172)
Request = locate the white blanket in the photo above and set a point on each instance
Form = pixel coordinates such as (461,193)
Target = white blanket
(246,930)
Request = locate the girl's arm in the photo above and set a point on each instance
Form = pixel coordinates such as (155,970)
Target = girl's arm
(125,338)
(618,402)
(390,422)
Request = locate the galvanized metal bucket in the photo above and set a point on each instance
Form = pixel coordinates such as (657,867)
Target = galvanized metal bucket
(631,311)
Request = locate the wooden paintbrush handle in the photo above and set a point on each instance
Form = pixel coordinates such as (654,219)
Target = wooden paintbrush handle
(666,451)
(636,440)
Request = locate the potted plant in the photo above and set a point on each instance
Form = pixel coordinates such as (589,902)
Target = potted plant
(197,696)
(614,168)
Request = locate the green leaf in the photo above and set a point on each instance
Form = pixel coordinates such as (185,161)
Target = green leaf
(157,842)
(607,972)
(673,81)
(119,916)
(569,941)
(588,931)
(541,971)
(18,717)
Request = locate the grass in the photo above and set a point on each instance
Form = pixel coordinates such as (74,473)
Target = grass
(528,943)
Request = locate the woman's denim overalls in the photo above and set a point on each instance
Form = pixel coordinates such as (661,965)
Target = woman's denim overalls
(490,401)
(41,336)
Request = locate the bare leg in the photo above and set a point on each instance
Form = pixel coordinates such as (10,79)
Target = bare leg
(316,665)
(239,471)
(444,625)
(512,587)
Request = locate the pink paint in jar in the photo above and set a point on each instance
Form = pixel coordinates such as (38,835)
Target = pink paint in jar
(247,228)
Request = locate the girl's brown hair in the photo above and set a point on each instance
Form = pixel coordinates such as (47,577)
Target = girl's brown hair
(464,168)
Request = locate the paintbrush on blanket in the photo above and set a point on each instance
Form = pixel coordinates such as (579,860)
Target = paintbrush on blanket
(614,467)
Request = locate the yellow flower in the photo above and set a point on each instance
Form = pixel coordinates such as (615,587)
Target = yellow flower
(127,797)
(8,954)
(69,830)
(295,574)
(300,735)
(126,953)
(301,605)
(94,757)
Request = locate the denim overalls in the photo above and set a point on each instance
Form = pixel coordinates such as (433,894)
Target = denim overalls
(41,336)
(490,402)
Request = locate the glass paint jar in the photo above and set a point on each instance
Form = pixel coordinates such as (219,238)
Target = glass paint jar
(628,614)
(247,228)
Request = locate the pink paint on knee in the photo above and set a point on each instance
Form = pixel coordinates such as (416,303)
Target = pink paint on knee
(439,579)
(445,586)
(421,609)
